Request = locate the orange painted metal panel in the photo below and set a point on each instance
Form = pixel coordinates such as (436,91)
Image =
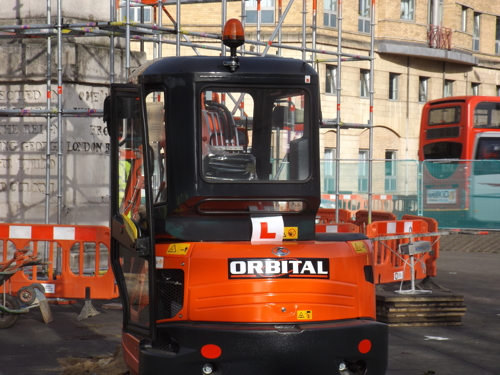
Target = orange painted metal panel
(286,289)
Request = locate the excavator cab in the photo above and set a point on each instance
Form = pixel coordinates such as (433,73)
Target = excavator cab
(215,185)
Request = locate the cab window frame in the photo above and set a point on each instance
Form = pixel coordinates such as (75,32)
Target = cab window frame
(261,109)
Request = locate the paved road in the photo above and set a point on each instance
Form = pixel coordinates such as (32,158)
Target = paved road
(471,241)
(473,347)
(32,347)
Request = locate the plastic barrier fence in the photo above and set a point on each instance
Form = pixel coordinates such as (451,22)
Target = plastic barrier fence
(77,257)
(327,216)
(349,202)
(325,222)
(390,264)
(387,235)
(361,218)
(356,202)
(337,228)
(430,258)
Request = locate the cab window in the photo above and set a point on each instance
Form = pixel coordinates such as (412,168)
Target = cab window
(254,135)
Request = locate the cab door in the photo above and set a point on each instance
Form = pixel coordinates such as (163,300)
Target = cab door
(132,236)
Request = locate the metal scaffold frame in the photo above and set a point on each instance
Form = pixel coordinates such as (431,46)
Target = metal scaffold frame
(133,31)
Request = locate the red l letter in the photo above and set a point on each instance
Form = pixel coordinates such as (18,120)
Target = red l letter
(264,233)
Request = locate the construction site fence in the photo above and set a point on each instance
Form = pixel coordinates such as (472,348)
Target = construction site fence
(387,235)
(74,258)
(461,194)
(395,186)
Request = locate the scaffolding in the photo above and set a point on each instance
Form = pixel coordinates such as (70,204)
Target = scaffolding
(154,33)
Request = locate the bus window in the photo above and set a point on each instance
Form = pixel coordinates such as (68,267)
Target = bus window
(488,149)
(443,150)
(487,115)
(442,116)
(487,154)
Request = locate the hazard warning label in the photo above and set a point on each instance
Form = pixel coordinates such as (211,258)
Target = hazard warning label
(359,247)
(304,314)
(178,249)
(291,233)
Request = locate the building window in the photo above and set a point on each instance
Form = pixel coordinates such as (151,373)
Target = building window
(329,169)
(364,83)
(363,171)
(330,13)
(364,16)
(464,18)
(407,9)
(474,88)
(498,90)
(393,86)
(436,18)
(331,79)
(390,170)
(423,83)
(497,37)
(266,11)
(475,35)
(137,14)
(448,88)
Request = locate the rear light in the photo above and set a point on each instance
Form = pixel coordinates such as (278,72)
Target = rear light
(211,351)
(365,346)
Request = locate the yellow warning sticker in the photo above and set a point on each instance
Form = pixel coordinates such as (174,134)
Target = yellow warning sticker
(359,247)
(304,314)
(291,233)
(178,249)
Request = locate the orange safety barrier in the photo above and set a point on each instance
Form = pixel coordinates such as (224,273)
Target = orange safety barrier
(337,228)
(387,236)
(327,216)
(349,202)
(389,262)
(430,258)
(361,218)
(78,258)
(382,202)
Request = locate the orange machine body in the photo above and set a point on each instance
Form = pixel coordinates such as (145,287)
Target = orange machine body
(264,288)
(244,283)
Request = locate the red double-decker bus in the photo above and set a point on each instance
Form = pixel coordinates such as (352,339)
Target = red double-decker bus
(459,148)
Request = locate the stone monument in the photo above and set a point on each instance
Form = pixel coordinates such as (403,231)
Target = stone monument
(24,142)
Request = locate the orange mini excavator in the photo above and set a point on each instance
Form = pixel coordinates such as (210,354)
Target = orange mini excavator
(215,186)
